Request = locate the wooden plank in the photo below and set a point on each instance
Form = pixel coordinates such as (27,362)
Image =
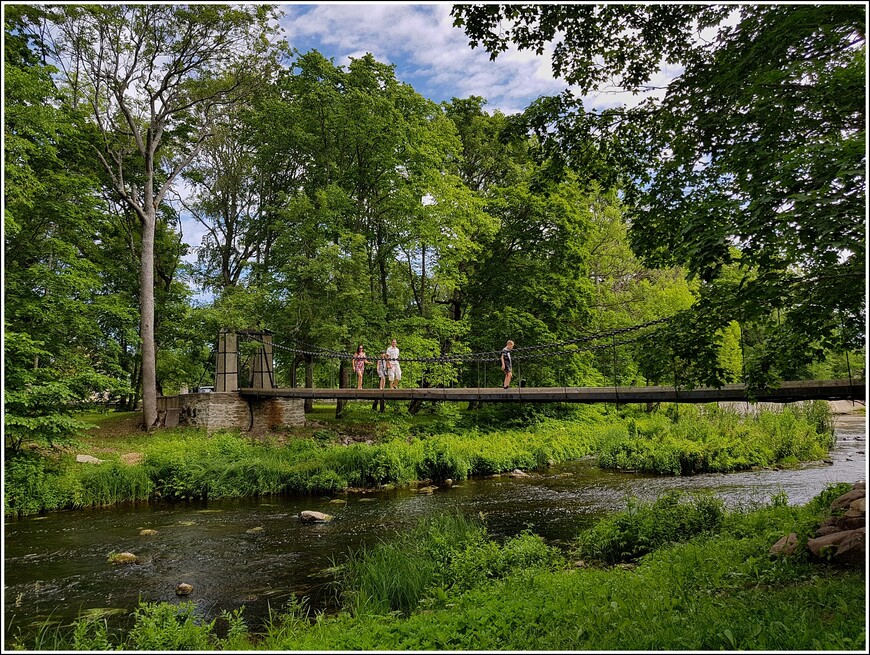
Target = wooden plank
(787,392)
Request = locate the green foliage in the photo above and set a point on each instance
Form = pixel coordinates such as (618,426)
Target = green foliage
(34,484)
(717,440)
(167,627)
(822,503)
(642,528)
(774,234)
(61,303)
(443,555)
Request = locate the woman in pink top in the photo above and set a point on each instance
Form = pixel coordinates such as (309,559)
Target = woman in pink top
(359,364)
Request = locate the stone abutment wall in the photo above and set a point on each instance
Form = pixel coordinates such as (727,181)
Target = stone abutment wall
(229,411)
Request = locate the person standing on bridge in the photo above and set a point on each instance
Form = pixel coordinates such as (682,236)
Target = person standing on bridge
(395,370)
(359,365)
(383,367)
(506,364)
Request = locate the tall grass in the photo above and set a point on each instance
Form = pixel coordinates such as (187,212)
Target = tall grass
(188,464)
(441,557)
(712,439)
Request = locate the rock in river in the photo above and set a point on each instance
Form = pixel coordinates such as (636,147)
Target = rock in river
(123,558)
(309,516)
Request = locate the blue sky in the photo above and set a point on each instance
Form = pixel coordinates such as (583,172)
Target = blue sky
(428,52)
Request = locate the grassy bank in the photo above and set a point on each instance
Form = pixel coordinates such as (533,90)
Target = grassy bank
(705,582)
(368,450)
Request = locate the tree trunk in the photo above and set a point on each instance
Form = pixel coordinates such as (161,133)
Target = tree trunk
(309,382)
(297,360)
(342,384)
(146,321)
(423,283)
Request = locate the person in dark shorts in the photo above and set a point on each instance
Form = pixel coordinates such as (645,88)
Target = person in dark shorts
(506,364)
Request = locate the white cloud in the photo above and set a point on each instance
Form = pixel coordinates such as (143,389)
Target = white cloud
(428,52)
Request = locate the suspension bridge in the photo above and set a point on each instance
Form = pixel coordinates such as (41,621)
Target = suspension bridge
(246,397)
(428,389)
(786,392)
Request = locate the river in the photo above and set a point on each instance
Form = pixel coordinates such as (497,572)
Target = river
(256,553)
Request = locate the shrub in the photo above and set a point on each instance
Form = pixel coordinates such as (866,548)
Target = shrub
(164,627)
(34,484)
(641,528)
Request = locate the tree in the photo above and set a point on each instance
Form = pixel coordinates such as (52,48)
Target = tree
(61,309)
(152,77)
(753,157)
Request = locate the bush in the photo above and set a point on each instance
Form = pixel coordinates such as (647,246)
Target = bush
(162,627)
(641,528)
(34,484)
(442,554)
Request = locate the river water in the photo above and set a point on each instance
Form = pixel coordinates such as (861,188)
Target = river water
(256,552)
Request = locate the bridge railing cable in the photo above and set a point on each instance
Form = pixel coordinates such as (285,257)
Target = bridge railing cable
(556,349)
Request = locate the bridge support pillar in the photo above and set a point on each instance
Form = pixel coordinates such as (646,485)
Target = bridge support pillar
(262,371)
(226,374)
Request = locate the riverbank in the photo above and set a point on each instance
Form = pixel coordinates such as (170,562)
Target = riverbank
(367,450)
(709,583)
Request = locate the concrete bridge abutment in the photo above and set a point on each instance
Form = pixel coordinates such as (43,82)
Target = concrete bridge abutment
(225,408)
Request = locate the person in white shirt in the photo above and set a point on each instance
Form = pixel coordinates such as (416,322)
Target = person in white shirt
(395,370)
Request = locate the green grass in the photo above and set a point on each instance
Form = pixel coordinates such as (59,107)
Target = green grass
(186,463)
(709,439)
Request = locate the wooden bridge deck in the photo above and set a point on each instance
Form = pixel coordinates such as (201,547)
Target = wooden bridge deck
(785,393)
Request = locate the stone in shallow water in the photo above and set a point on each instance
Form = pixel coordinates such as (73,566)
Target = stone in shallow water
(146,532)
(309,516)
(255,530)
(123,558)
(183,589)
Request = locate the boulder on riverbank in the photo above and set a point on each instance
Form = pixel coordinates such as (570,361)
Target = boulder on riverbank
(785,546)
(842,536)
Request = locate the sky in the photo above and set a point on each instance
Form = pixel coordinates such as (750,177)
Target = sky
(428,52)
